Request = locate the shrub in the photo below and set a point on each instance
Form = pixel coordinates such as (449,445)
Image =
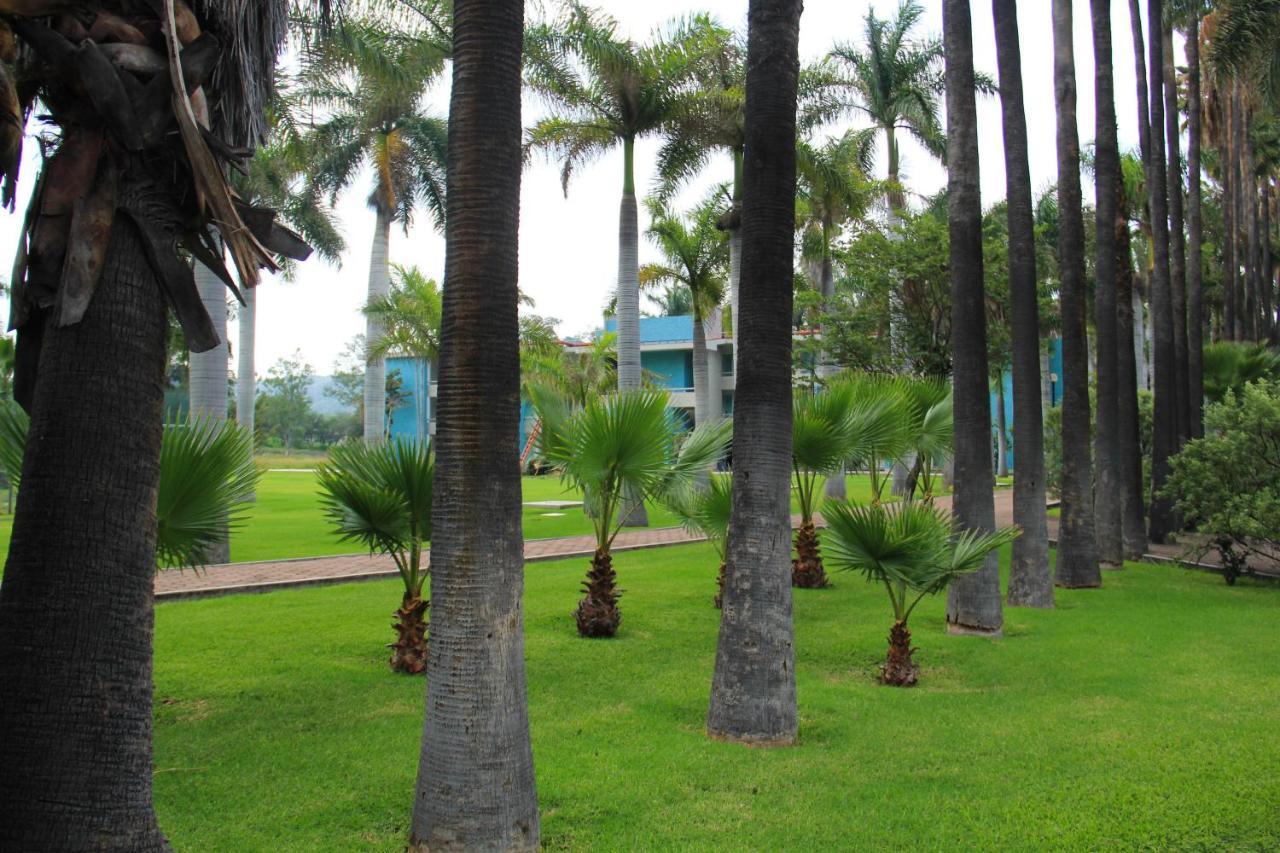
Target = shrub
(1227,484)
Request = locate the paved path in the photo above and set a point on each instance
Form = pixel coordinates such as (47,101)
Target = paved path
(310,571)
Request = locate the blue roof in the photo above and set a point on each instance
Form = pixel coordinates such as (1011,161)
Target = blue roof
(660,330)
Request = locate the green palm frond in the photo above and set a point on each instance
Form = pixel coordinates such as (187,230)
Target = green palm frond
(410,316)
(207,476)
(705,511)
(696,252)
(1230,365)
(381,496)
(14,424)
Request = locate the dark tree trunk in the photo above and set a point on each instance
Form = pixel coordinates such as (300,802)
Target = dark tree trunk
(1165,422)
(899,668)
(1177,242)
(807,571)
(1267,276)
(753,691)
(1133,524)
(1253,249)
(475,787)
(597,614)
(973,601)
(1107,494)
(1195,238)
(1230,270)
(1240,281)
(1077,544)
(1030,582)
(76,609)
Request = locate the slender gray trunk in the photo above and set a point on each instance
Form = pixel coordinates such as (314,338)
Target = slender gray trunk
(735,276)
(375,369)
(628,293)
(207,373)
(834,487)
(1177,242)
(1046,387)
(1002,443)
(1142,338)
(1133,525)
(702,411)
(973,601)
(1253,250)
(753,690)
(246,378)
(1239,189)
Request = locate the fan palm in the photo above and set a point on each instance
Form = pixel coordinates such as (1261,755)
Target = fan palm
(912,550)
(615,446)
(1230,365)
(694,255)
(380,496)
(409,315)
(706,511)
(370,80)
(206,478)
(822,438)
(607,92)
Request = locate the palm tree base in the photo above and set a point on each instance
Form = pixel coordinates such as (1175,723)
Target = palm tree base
(409,651)
(899,669)
(597,613)
(807,571)
(720,588)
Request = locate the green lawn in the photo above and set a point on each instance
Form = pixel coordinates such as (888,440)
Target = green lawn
(1142,715)
(287,521)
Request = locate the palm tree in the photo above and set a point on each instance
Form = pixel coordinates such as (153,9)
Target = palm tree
(475,786)
(1177,234)
(1133,523)
(1165,425)
(1195,223)
(973,604)
(1077,564)
(913,550)
(1030,581)
(753,690)
(409,315)
(609,92)
(896,82)
(75,764)
(380,496)
(615,446)
(695,255)
(706,512)
(1107,178)
(371,79)
(822,439)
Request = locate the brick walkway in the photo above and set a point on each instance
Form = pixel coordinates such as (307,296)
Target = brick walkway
(312,571)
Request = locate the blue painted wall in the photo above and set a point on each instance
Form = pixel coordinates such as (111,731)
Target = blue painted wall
(659,330)
(672,368)
(1055,397)
(412,418)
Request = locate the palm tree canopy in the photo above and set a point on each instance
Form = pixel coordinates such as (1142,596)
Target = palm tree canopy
(705,511)
(695,252)
(379,495)
(368,80)
(834,185)
(607,90)
(410,316)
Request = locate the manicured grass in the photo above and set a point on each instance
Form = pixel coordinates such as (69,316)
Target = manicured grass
(1142,715)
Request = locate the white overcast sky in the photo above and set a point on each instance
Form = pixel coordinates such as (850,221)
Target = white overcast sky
(568,247)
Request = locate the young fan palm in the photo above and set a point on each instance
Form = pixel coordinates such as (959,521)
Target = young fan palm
(695,254)
(371,80)
(822,438)
(615,446)
(913,550)
(931,433)
(706,511)
(380,496)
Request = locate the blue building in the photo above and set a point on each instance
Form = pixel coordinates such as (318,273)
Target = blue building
(414,415)
(1051,395)
(666,357)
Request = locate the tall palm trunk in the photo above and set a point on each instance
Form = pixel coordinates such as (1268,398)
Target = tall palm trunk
(1002,432)
(1230,267)
(702,411)
(207,373)
(1253,250)
(246,380)
(1177,241)
(1133,525)
(834,487)
(735,254)
(1165,419)
(476,788)
(973,601)
(1030,584)
(76,616)
(1240,282)
(1195,237)
(1107,495)
(375,369)
(1077,544)
(628,298)
(753,690)
(1266,275)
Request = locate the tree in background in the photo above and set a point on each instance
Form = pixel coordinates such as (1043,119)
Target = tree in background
(370,79)
(284,407)
(409,315)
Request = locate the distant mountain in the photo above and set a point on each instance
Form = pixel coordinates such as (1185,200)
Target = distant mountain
(321,402)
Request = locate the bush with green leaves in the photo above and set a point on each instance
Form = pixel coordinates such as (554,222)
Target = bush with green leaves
(207,479)
(380,496)
(1226,485)
(618,449)
(1230,365)
(912,549)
